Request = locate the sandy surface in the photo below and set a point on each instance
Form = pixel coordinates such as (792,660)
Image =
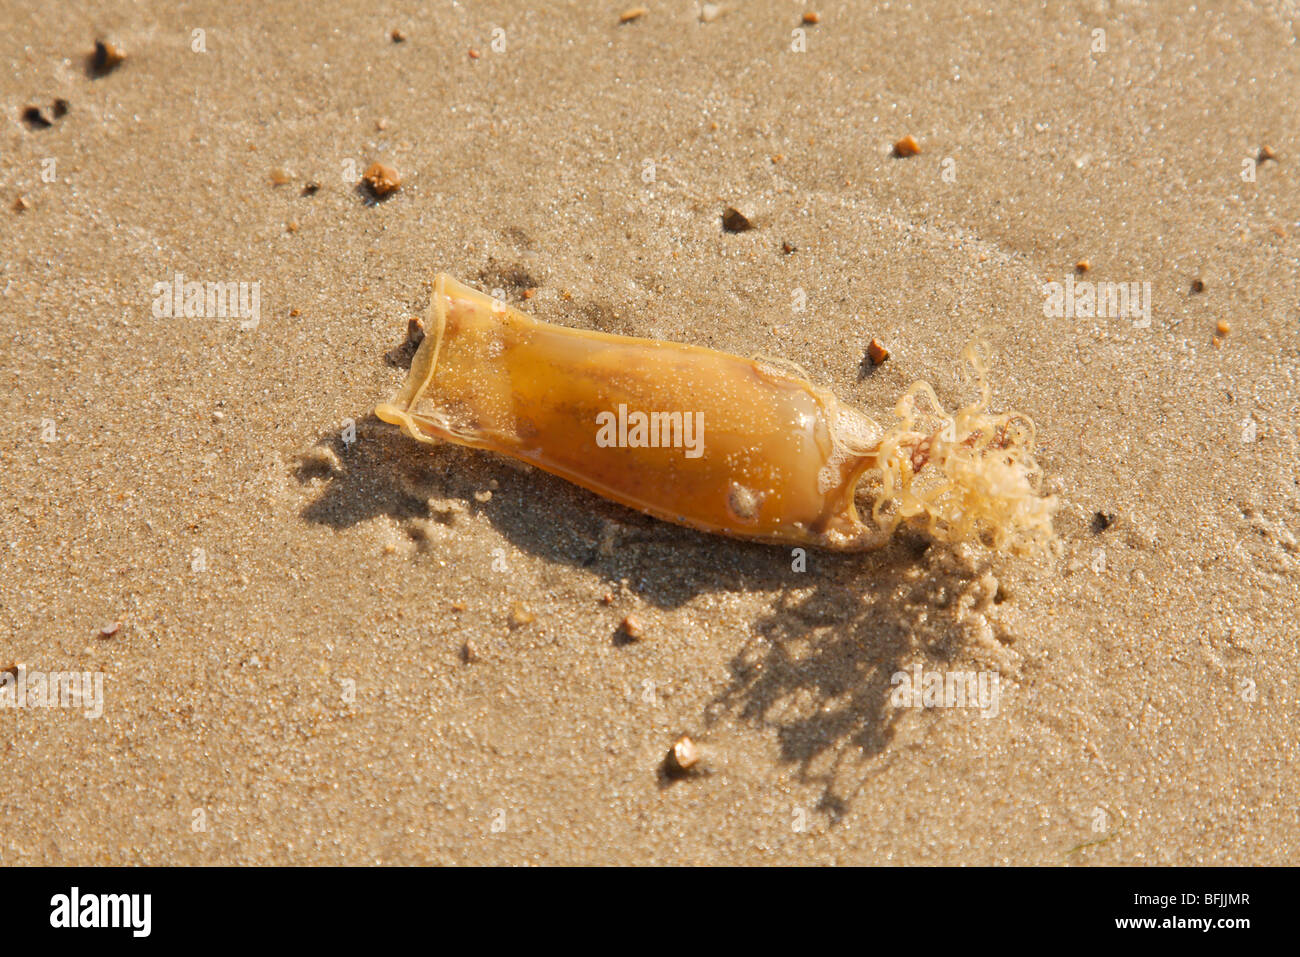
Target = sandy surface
(287,684)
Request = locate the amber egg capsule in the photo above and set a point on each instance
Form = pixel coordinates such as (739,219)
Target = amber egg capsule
(703,438)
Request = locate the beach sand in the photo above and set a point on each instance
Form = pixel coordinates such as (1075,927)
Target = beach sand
(289,681)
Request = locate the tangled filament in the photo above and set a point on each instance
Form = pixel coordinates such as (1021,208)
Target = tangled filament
(967,477)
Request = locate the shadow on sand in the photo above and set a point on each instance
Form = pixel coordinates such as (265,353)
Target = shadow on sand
(816,668)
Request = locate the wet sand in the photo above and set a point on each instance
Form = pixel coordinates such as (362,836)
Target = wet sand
(289,681)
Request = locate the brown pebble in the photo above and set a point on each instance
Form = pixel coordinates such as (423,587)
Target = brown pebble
(398,36)
(310,189)
(292,226)
(414,331)
(22,203)
(468,653)
(1267,153)
(812,17)
(877,352)
(35,119)
(106,58)
(280,176)
(607,598)
(1222,327)
(381,124)
(1082,266)
(520,616)
(788,247)
(295,312)
(1198,285)
(1102,521)
(111,629)
(381,179)
(682,757)
(635,13)
(60,108)
(734,221)
(632,628)
(907,146)
(474,54)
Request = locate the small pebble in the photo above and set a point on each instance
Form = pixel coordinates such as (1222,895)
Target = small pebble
(295,312)
(106,58)
(1198,285)
(682,757)
(218,416)
(734,221)
(60,108)
(812,17)
(1222,327)
(292,226)
(474,54)
(381,179)
(398,36)
(1082,266)
(310,189)
(468,653)
(711,11)
(520,616)
(35,119)
(22,203)
(280,176)
(788,247)
(907,146)
(1267,153)
(483,497)
(877,352)
(109,630)
(632,628)
(414,331)
(636,13)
